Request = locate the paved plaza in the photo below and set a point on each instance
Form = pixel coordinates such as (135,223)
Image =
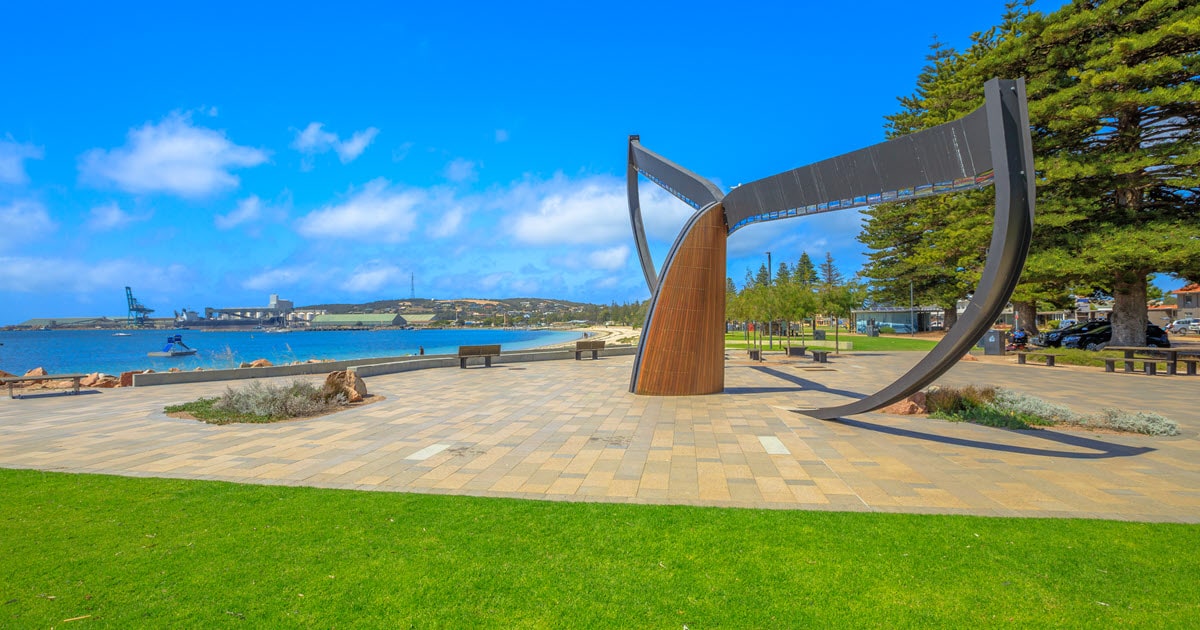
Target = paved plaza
(569,430)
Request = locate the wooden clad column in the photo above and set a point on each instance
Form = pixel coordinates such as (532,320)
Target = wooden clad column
(684,350)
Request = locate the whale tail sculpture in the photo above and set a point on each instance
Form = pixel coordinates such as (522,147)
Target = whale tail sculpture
(681,351)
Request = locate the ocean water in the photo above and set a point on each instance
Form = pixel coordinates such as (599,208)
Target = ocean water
(85,351)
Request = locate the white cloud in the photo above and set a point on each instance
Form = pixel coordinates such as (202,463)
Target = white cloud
(460,170)
(275,279)
(12,157)
(174,157)
(447,224)
(565,211)
(110,217)
(609,259)
(248,210)
(33,275)
(373,276)
(314,140)
(23,221)
(591,210)
(377,213)
(501,136)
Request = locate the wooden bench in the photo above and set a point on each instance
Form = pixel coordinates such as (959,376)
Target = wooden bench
(588,346)
(12,380)
(1049,357)
(1149,366)
(796,351)
(487,352)
(1190,364)
(820,356)
(755,354)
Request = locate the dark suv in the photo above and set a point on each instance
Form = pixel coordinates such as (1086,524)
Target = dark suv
(1053,339)
(1093,339)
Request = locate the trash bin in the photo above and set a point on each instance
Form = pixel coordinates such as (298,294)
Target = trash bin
(819,335)
(993,342)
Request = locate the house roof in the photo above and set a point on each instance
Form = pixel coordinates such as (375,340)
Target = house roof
(1191,288)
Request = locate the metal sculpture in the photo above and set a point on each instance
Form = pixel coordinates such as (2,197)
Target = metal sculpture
(681,351)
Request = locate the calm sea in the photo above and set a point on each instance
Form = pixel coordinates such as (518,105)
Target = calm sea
(63,351)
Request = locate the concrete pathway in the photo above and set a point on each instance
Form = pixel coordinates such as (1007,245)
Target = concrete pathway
(569,430)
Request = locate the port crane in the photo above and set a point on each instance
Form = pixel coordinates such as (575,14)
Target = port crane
(137,312)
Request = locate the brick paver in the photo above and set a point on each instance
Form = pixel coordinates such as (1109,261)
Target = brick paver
(569,430)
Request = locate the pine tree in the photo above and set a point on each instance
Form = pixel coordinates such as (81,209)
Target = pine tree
(783,275)
(830,276)
(805,272)
(763,278)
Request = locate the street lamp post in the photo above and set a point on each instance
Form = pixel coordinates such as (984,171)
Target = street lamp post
(770,339)
(912,328)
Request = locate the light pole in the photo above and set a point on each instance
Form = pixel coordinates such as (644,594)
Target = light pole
(770,339)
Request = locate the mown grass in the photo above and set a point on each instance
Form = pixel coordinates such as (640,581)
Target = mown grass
(131,552)
(862,343)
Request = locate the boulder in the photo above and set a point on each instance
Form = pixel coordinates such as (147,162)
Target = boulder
(4,374)
(256,363)
(90,380)
(911,406)
(126,379)
(348,383)
(174,370)
(37,371)
(107,381)
(969,357)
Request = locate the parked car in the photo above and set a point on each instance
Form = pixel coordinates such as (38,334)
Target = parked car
(1093,339)
(1185,326)
(1053,339)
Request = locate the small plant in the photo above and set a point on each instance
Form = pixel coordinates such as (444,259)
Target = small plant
(1144,422)
(997,407)
(259,402)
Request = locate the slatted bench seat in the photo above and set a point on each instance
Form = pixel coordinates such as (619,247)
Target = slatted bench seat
(1049,357)
(487,352)
(1149,366)
(1190,364)
(592,346)
(12,380)
(796,351)
(820,356)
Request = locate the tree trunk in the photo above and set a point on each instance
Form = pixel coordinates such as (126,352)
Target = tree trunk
(1026,316)
(1129,310)
(949,318)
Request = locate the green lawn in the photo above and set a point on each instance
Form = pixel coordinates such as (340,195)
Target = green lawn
(862,343)
(189,554)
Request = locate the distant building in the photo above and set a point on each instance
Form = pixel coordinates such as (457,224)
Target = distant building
(1188,301)
(358,320)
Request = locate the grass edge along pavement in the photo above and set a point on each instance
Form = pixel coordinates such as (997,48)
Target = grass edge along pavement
(128,552)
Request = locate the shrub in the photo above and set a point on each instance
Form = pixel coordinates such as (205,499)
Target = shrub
(952,400)
(1145,422)
(886,330)
(1016,402)
(997,407)
(278,401)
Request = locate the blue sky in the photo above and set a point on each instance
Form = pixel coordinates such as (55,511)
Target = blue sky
(212,154)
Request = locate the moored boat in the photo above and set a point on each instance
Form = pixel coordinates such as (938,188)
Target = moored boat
(174,348)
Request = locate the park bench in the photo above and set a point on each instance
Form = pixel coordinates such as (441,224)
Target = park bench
(755,354)
(820,356)
(588,346)
(1049,357)
(1149,366)
(487,352)
(12,380)
(796,351)
(1190,364)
